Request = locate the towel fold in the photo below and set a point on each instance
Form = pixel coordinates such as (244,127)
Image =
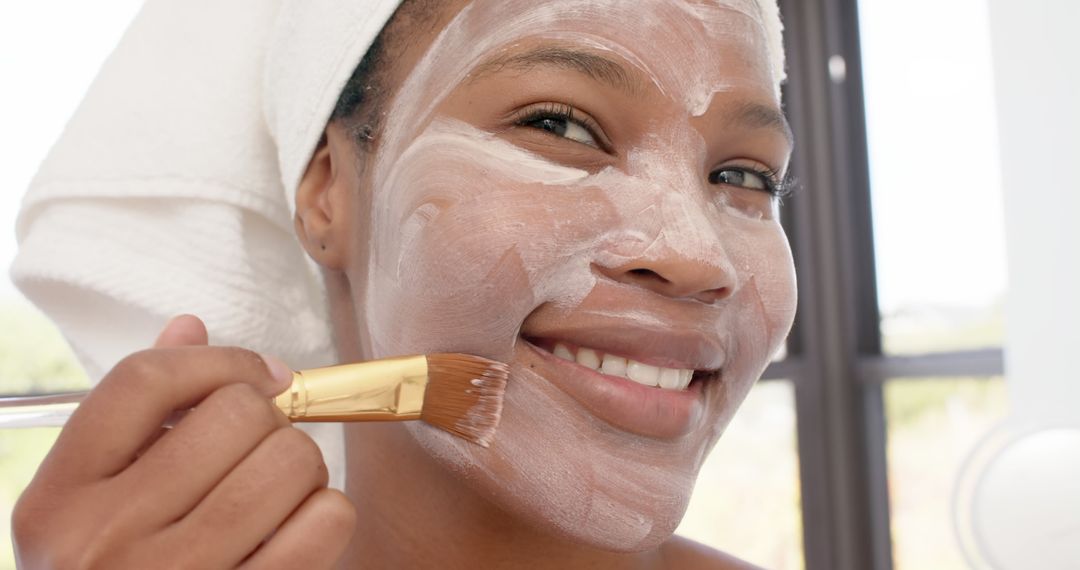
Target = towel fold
(167,192)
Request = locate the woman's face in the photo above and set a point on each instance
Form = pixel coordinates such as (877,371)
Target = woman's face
(581,188)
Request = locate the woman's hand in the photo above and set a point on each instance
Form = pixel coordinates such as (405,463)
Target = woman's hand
(232,485)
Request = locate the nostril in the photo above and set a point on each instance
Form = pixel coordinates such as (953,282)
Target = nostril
(648,274)
(708,284)
(713,295)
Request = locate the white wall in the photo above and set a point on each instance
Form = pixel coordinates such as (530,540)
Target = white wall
(1026,488)
(1036,45)
(50,51)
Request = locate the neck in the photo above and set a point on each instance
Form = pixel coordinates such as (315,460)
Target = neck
(415,514)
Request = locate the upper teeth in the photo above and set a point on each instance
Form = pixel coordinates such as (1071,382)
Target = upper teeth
(666,378)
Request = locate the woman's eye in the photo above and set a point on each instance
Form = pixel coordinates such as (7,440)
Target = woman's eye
(741,178)
(564,127)
(563,121)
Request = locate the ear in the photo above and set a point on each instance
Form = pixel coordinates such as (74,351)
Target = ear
(325,200)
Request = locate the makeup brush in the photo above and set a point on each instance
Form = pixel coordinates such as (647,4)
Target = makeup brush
(458,393)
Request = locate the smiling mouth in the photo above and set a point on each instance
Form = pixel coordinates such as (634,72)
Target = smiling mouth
(608,364)
(626,396)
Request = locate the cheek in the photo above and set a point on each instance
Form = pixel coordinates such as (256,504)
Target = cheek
(762,259)
(461,259)
(776,286)
(760,316)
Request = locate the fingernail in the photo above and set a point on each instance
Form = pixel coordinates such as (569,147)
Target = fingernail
(278,369)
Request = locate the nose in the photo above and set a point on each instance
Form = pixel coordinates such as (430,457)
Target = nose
(679,276)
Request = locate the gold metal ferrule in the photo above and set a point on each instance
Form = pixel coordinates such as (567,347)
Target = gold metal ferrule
(387,389)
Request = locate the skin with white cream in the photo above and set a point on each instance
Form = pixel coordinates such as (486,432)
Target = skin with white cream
(606,263)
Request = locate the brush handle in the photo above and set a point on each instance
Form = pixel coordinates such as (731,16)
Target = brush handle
(390,389)
(38,411)
(50,411)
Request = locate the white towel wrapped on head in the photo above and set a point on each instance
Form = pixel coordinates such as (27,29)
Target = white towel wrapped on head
(164,194)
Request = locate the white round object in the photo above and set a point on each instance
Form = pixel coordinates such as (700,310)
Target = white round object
(1018,499)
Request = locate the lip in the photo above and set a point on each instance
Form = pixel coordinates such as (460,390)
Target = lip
(620,402)
(670,348)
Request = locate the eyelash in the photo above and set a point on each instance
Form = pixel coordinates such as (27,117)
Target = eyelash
(777,186)
(559,112)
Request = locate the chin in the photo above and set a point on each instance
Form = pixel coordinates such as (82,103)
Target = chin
(555,468)
(555,505)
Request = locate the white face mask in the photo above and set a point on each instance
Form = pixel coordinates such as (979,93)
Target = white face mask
(478,244)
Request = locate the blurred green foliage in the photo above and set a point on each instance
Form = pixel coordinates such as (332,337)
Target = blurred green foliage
(935,331)
(34,358)
(933,424)
(20,453)
(908,400)
(943,329)
(33,355)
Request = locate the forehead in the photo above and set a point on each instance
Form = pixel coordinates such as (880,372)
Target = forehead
(688,49)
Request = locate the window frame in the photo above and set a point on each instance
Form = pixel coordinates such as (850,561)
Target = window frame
(835,357)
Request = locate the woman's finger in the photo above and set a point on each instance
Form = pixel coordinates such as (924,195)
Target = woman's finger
(182,467)
(314,537)
(252,501)
(183,330)
(135,398)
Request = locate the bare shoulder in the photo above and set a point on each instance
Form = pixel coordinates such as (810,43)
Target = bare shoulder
(685,554)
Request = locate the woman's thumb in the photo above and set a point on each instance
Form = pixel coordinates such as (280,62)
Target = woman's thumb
(182,330)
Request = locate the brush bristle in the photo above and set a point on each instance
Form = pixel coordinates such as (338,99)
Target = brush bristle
(464,395)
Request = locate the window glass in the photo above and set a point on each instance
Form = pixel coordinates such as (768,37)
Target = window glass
(47,63)
(747,501)
(21,450)
(34,358)
(932,426)
(935,177)
(50,51)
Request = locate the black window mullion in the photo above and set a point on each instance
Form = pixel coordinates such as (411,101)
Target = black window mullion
(850,112)
(841,418)
(967,363)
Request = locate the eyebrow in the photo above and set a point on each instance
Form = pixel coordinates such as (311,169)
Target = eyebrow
(593,65)
(748,115)
(757,116)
